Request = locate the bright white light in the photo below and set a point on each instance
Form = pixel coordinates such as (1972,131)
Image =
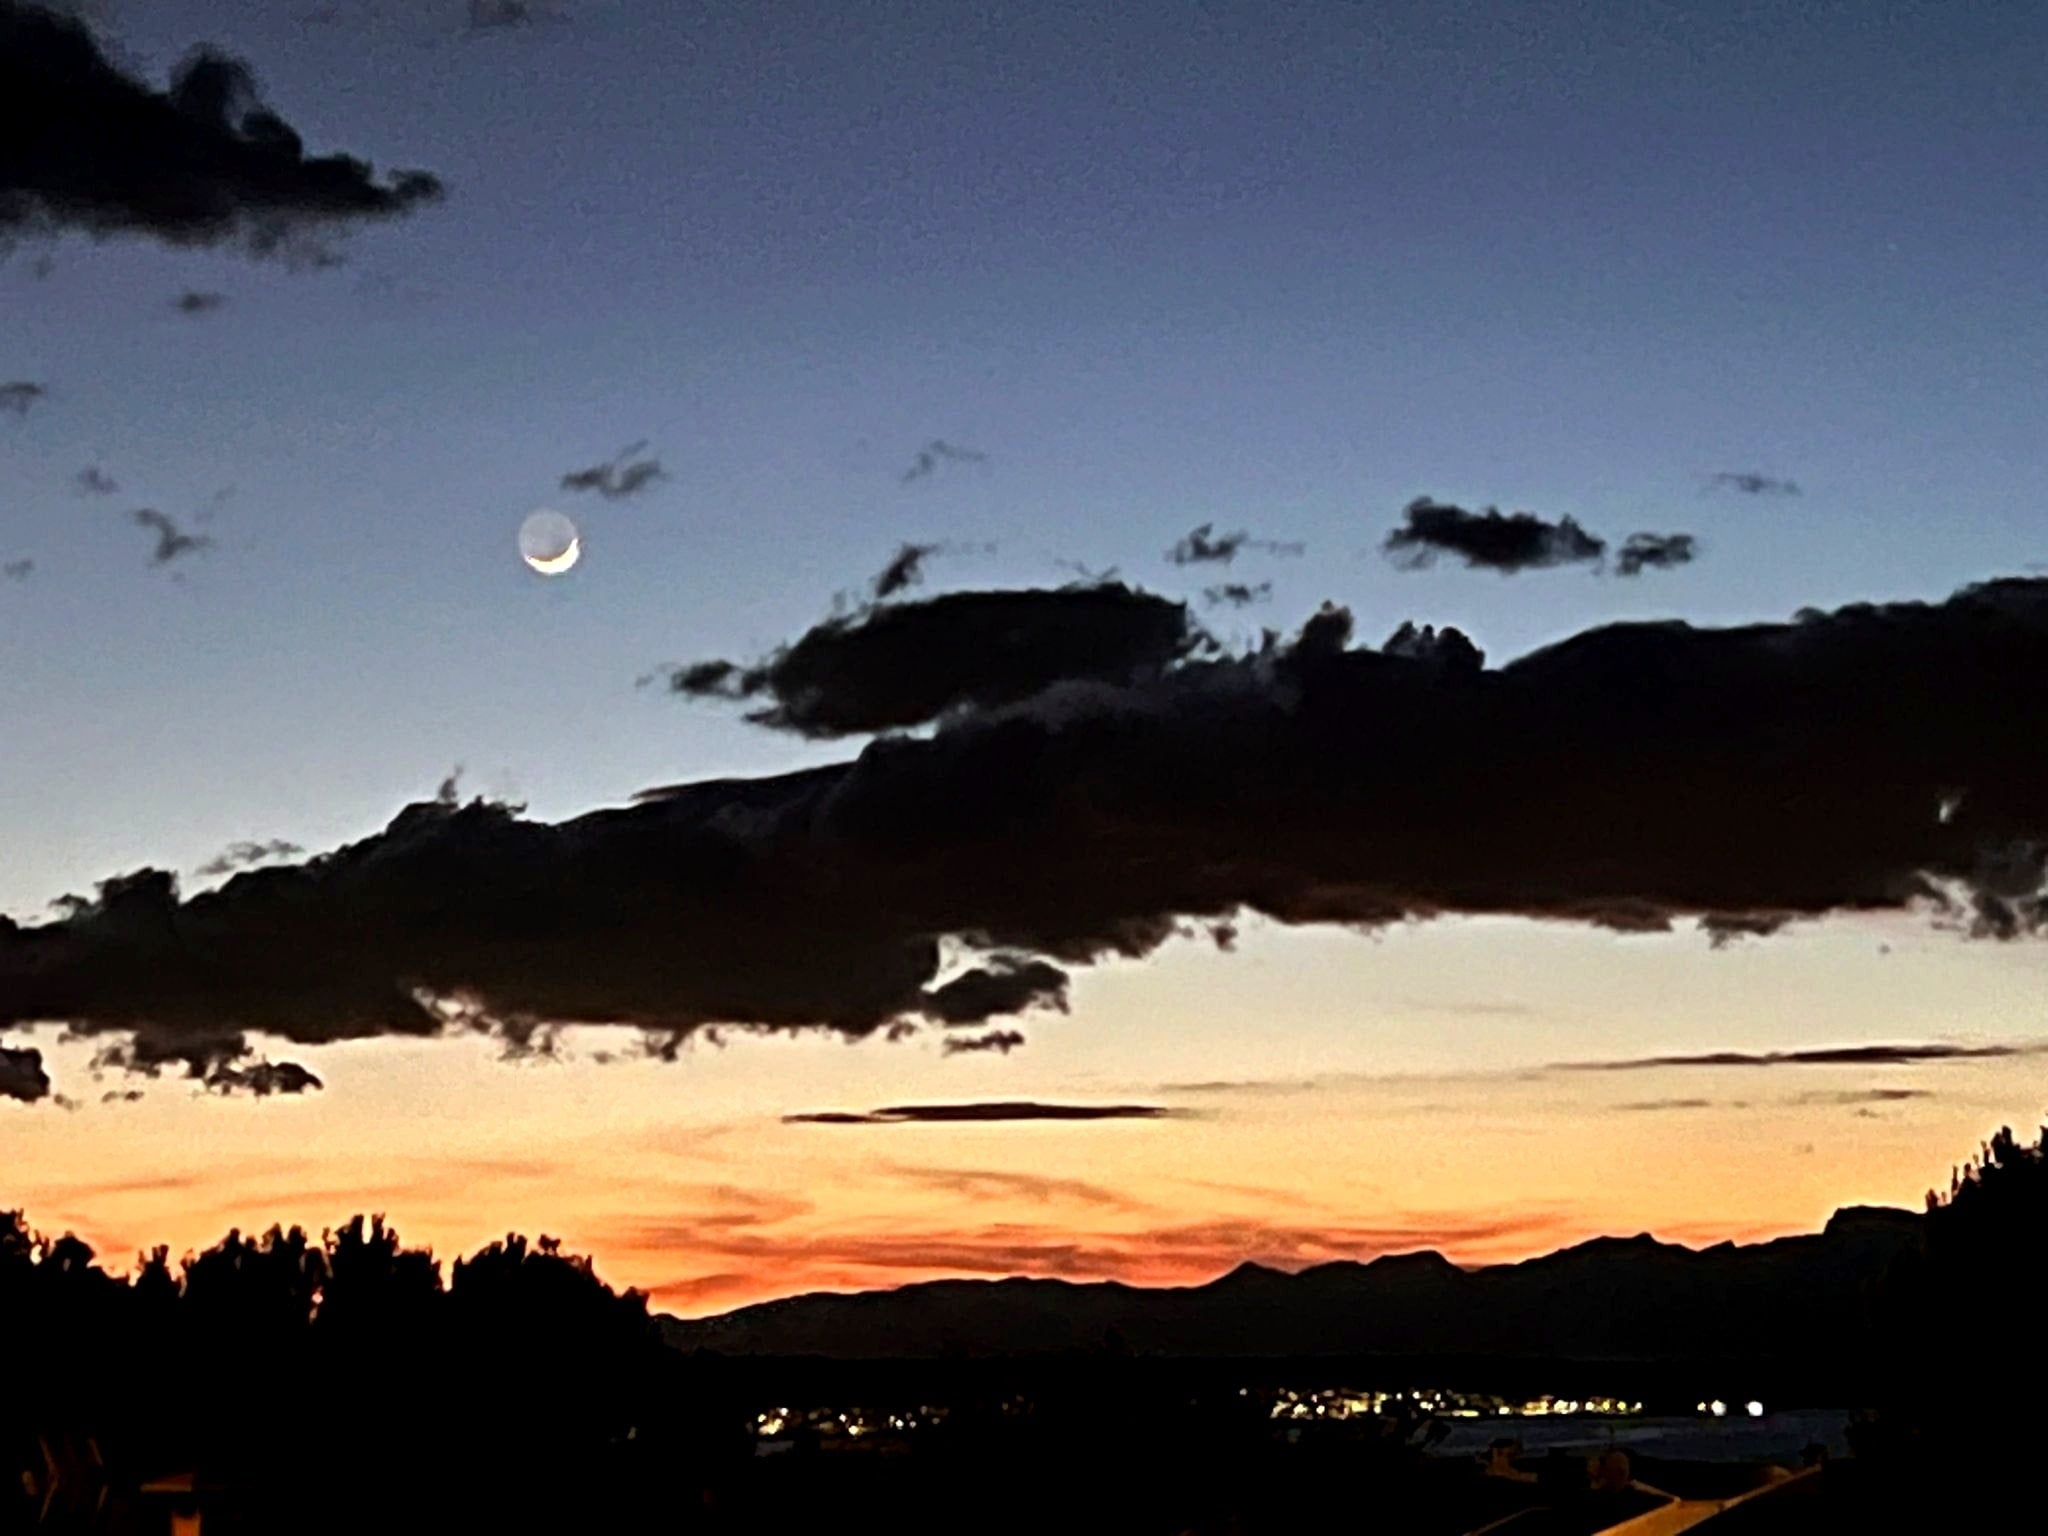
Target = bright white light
(1756,1409)
(1717,1408)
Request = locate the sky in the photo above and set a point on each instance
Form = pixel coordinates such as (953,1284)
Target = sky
(1765,275)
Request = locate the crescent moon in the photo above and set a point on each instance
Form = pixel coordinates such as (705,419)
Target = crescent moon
(554,565)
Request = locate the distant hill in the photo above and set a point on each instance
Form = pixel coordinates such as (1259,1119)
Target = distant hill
(1794,1298)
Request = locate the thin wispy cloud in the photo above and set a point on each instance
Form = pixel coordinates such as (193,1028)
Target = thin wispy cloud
(94,481)
(983,1113)
(195,302)
(1654,1106)
(1750,483)
(1001,1185)
(1816,1056)
(16,397)
(1205,546)
(18,570)
(1237,594)
(627,473)
(1655,552)
(172,542)
(1854,1096)
(937,452)
(1002,1041)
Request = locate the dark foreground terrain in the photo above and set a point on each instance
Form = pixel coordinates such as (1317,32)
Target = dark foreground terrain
(283,1383)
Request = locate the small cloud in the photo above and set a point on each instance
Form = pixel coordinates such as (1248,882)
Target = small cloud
(1205,546)
(172,543)
(1655,551)
(1489,539)
(1022,1109)
(262,1079)
(619,477)
(245,855)
(1237,594)
(936,452)
(21,1074)
(905,569)
(94,481)
(18,570)
(18,396)
(1750,483)
(194,302)
(1003,1040)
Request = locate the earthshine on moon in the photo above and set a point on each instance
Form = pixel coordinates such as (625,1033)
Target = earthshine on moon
(549,543)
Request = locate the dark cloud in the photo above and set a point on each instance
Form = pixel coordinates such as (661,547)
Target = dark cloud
(202,162)
(1654,551)
(94,481)
(620,476)
(1003,1040)
(1654,1105)
(1633,776)
(193,302)
(1817,1056)
(246,855)
(1237,594)
(1018,1109)
(903,665)
(1006,984)
(936,452)
(18,570)
(18,396)
(172,543)
(905,569)
(1205,546)
(21,1074)
(1492,540)
(1752,484)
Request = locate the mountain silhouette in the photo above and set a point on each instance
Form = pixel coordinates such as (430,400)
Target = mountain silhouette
(1802,1298)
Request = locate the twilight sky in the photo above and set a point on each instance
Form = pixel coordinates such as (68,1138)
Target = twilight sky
(1261,266)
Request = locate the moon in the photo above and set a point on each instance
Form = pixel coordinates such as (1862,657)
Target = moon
(549,542)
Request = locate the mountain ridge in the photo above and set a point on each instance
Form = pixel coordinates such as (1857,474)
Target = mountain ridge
(1619,1297)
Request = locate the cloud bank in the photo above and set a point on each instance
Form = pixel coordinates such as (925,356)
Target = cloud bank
(1096,785)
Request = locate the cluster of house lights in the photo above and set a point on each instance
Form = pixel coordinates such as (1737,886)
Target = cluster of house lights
(1345,1403)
